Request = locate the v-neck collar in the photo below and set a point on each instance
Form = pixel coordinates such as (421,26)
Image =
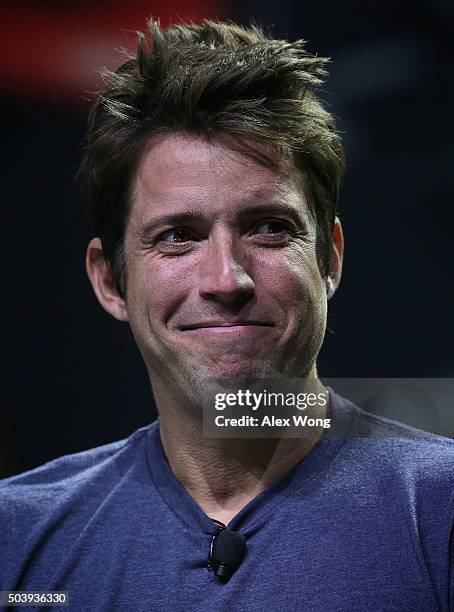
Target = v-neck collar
(254,513)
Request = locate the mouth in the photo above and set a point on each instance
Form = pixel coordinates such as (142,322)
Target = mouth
(227,327)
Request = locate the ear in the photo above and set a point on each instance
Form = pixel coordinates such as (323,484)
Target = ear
(100,276)
(335,268)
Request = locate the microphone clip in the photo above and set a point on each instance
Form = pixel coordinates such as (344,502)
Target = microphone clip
(226,552)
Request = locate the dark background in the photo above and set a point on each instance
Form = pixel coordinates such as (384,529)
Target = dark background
(73,376)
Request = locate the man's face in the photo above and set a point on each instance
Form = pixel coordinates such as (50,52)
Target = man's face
(222,274)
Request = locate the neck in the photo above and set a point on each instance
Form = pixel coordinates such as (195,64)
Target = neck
(223,475)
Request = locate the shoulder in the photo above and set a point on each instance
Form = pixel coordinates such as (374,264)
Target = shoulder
(403,438)
(404,457)
(43,511)
(41,487)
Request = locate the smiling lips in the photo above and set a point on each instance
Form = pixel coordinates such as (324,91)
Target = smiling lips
(226,327)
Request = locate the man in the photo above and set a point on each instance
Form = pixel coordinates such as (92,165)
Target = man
(212,173)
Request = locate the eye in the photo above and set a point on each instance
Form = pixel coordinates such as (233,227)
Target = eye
(178,235)
(272,227)
(273,232)
(175,241)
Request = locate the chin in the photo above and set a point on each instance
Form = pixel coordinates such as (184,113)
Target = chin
(238,370)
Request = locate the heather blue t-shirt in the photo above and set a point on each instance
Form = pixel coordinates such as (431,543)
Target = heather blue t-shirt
(362,523)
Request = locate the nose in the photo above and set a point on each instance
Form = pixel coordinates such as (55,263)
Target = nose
(223,275)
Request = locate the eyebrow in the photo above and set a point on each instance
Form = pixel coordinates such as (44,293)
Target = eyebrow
(193,214)
(197,214)
(281,208)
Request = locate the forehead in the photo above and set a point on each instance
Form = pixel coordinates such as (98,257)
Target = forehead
(180,170)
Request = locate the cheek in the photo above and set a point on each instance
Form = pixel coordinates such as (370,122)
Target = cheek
(294,279)
(157,288)
(306,312)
